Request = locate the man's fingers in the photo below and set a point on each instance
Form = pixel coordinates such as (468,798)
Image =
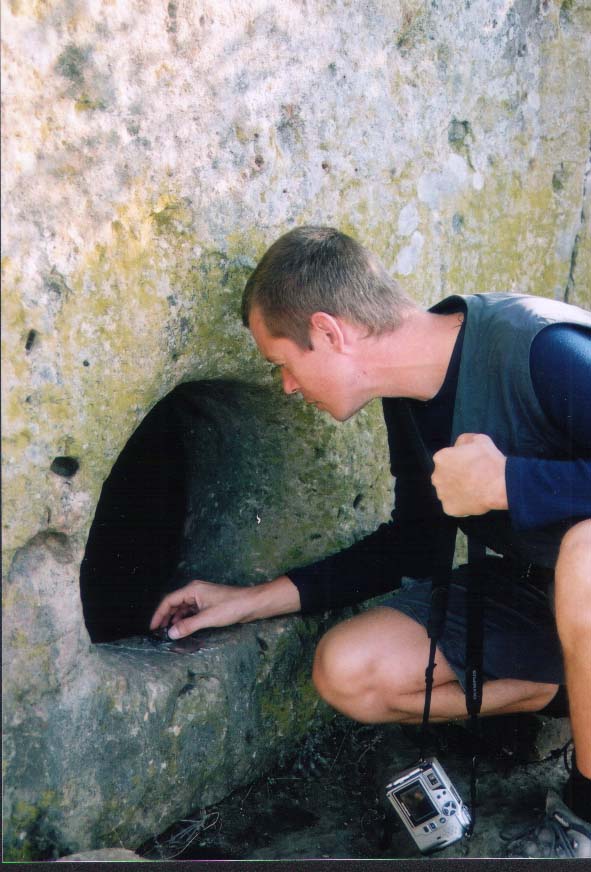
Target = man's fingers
(186,626)
(467,438)
(183,612)
(201,604)
(162,615)
(160,618)
(170,605)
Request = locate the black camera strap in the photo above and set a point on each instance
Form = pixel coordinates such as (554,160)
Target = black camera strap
(473,674)
(444,552)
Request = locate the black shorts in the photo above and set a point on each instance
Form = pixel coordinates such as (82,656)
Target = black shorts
(520,639)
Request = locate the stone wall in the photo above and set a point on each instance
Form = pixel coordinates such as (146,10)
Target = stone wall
(152,151)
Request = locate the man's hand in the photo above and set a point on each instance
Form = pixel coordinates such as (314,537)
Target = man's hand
(202,604)
(470,477)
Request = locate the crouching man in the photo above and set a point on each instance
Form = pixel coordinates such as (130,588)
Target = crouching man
(500,390)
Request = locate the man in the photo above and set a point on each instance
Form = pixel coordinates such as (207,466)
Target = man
(500,387)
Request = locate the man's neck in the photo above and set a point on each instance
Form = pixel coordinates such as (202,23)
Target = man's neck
(413,360)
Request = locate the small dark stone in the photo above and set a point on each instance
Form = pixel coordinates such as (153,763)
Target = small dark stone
(85,363)
(259,160)
(67,467)
(31,339)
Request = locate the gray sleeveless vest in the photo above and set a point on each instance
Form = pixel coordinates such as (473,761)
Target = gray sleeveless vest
(495,396)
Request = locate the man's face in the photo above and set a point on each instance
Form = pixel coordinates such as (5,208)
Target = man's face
(322,375)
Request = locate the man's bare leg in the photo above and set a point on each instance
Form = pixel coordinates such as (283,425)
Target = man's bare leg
(573,619)
(372,668)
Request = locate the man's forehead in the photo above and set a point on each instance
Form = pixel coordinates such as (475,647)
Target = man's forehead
(257,326)
(266,343)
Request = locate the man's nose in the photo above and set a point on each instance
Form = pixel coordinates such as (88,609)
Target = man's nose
(290,385)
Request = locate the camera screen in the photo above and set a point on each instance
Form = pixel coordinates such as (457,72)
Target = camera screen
(416,802)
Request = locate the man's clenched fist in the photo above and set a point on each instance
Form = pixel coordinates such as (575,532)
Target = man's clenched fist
(470,477)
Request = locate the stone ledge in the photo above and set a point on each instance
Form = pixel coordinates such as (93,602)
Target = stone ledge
(103,855)
(156,730)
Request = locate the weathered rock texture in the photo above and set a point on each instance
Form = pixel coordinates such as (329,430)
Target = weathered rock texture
(152,151)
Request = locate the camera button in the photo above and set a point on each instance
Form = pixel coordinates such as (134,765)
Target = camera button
(449,807)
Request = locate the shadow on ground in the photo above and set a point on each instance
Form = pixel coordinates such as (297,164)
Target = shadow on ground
(325,803)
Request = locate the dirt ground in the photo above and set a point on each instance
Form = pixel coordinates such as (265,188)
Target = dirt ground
(326,802)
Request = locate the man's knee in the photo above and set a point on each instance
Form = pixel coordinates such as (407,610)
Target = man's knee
(576,542)
(340,667)
(348,670)
(369,666)
(573,581)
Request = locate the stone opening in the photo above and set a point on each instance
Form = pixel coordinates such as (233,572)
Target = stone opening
(31,340)
(179,503)
(133,541)
(66,467)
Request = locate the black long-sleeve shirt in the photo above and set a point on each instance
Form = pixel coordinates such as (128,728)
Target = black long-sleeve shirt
(539,491)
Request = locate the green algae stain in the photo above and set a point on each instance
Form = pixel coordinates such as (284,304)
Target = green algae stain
(172,217)
(32,836)
(504,243)
(247,243)
(85,103)
(72,62)
(566,10)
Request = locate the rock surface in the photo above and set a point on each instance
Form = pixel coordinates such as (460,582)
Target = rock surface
(151,153)
(103,855)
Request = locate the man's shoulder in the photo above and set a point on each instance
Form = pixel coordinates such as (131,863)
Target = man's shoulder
(510,311)
(537,306)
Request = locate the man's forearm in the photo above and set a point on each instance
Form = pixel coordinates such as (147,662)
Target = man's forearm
(277,597)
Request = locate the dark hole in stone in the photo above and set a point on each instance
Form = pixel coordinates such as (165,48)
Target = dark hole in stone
(177,502)
(31,339)
(133,543)
(67,467)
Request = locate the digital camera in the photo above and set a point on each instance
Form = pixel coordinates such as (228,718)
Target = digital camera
(429,806)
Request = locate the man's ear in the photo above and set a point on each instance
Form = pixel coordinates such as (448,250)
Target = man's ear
(326,328)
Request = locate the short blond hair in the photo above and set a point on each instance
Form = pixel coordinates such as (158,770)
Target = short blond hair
(319,269)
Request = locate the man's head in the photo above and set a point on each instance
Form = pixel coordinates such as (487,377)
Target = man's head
(319,269)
